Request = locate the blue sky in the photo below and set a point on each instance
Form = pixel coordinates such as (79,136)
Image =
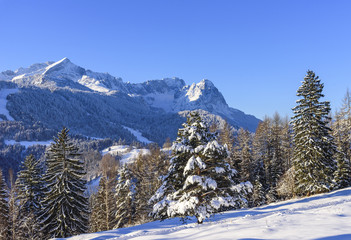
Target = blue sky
(255,52)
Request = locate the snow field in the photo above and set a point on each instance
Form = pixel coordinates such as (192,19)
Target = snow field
(320,217)
(123,151)
(27,144)
(138,135)
(3,101)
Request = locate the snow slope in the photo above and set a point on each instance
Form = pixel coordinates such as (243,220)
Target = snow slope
(138,135)
(3,101)
(127,155)
(320,217)
(27,144)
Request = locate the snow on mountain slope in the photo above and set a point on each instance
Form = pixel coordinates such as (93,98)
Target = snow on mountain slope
(127,154)
(320,217)
(170,94)
(138,135)
(173,95)
(63,73)
(27,144)
(3,101)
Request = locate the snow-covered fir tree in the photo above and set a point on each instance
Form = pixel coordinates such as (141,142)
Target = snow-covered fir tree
(199,181)
(258,195)
(314,145)
(29,194)
(4,209)
(65,207)
(342,176)
(125,198)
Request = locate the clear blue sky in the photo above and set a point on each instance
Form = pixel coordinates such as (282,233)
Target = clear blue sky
(255,52)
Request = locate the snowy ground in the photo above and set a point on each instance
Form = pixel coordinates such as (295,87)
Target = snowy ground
(138,135)
(321,217)
(27,144)
(3,101)
(127,155)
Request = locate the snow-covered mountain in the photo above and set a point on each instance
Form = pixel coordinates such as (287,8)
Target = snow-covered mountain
(166,97)
(320,217)
(62,74)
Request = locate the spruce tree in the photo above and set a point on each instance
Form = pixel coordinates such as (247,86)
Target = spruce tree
(314,147)
(65,207)
(29,194)
(342,175)
(125,198)
(199,182)
(4,209)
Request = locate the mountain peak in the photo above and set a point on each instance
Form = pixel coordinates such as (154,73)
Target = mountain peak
(205,83)
(64,68)
(65,59)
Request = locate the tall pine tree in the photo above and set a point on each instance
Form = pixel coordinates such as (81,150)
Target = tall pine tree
(29,194)
(125,198)
(314,147)
(65,207)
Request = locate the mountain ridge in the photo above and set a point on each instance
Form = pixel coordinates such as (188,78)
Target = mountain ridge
(169,95)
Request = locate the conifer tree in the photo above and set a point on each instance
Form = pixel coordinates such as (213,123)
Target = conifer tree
(260,152)
(226,138)
(125,198)
(103,212)
(342,127)
(342,175)
(199,182)
(314,147)
(244,155)
(94,217)
(13,207)
(29,194)
(342,133)
(4,209)
(65,207)
(103,202)
(148,169)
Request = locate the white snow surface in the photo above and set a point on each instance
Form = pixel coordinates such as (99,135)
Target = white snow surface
(127,155)
(3,101)
(320,217)
(161,100)
(138,135)
(27,144)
